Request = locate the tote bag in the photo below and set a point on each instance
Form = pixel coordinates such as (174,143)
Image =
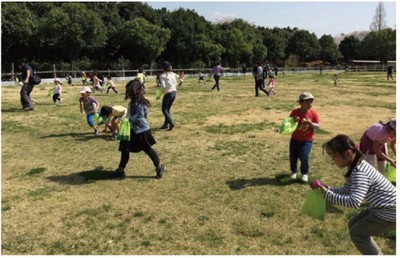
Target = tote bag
(124,133)
(288,126)
(314,204)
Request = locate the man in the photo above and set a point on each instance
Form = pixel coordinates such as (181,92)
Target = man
(27,86)
(217,71)
(168,85)
(260,79)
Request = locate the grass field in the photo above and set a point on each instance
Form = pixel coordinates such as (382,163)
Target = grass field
(223,193)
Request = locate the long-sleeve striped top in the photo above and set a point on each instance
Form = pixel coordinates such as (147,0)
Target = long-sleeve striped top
(366,183)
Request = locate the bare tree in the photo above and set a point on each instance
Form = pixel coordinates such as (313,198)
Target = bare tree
(379,22)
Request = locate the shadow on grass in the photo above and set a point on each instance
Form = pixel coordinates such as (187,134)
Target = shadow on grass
(90,176)
(80,136)
(280,180)
(12,110)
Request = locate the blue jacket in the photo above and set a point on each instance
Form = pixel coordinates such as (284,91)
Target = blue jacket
(137,114)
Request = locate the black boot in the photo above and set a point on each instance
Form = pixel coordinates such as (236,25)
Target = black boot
(119,173)
(160,171)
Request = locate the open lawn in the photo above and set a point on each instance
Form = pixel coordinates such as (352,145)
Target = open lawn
(224,191)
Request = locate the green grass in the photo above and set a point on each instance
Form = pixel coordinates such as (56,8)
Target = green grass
(226,190)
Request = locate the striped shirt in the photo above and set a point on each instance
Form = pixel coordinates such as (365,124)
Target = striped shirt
(366,183)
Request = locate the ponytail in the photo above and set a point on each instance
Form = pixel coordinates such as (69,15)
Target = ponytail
(356,160)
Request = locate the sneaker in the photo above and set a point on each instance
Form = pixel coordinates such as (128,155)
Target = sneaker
(304,178)
(160,171)
(28,108)
(293,175)
(165,126)
(119,173)
(171,127)
(96,131)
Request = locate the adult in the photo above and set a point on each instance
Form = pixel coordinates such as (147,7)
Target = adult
(389,70)
(276,70)
(244,69)
(217,71)
(374,141)
(260,79)
(168,84)
(27,86)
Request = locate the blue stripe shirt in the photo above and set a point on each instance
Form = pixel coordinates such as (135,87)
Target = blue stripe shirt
(366,184)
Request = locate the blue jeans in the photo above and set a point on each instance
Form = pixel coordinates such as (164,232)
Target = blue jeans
(167,102)
(299,150)
(25,95)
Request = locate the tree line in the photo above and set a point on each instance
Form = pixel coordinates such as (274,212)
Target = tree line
(126,35)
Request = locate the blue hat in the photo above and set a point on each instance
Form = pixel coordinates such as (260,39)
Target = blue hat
(166,64)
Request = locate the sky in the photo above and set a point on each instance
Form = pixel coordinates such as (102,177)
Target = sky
(319,17)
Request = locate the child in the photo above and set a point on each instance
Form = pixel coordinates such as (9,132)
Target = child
(335,80)
(374,141)
(302,138)
(181,77)
(69,80)
(110,85)
(97,83)
(57,91)
(141,137)
(201,78)
(168,84)
(90,105)
(363,183)
(271,84)
(140,76)
(113,116)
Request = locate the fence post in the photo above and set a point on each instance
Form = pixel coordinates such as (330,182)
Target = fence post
(54,71)
(12,72)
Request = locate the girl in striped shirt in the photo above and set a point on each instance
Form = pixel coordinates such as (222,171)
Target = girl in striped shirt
(363,183)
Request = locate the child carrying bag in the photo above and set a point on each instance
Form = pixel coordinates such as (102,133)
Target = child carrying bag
(124,133)
(314,204)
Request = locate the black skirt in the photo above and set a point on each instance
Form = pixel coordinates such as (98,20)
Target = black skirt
(138,142)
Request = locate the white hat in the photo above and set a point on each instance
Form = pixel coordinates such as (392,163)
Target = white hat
(305,96)
(85,90)
(57,80)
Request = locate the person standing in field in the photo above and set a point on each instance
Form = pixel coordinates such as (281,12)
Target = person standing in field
(141,137)
(373,144)
(244,69)
(260,79)
(389,70)
(271,85)
(168,84)
(97,82)
(304,135)
(57,89)
(110,85)
(217,71)
(335,80)
(27,86)
(363,184)
(90,105)
(181,77)
(201,78)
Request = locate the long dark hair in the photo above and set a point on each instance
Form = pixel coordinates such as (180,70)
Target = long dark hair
(134,90)
(339,145)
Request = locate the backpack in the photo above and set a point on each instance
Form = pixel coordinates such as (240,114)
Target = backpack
(35,80)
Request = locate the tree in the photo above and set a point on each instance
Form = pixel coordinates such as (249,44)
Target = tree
(145,41)
(276,40)
(71,28)
(329,50)
(303,44)
(379,22)
(348,47)
(379,45)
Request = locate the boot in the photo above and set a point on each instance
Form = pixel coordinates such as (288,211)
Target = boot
(160,171)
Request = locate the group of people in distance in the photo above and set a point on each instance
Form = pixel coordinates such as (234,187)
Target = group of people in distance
(363,183)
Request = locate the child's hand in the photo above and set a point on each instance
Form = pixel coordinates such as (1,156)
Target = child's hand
(317,184)
(296,118)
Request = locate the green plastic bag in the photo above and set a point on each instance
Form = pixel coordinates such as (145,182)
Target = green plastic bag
(124,133)
(288,126)
(50,92)
(158,93)
(97,119)
(314,204)
(390,173)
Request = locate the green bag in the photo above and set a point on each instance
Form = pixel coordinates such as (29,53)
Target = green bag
(97,119)
(288,126)
(390,173)
(50,92)
(314,204)
(158,93)
(124,133)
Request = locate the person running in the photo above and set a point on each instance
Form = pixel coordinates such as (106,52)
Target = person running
(217,71)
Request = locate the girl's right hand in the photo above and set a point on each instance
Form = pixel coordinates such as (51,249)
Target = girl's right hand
(392,163)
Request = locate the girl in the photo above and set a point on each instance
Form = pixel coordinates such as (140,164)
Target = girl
(141,137)
(303,137)
(90,105)
(110,85)
(141,76)
(168,83)
(271,84)
(57,91)
(113,116)
(363,183)
(373,144)
(97,82)
(181,78)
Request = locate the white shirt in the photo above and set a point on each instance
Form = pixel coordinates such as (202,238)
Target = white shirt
(168,82)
